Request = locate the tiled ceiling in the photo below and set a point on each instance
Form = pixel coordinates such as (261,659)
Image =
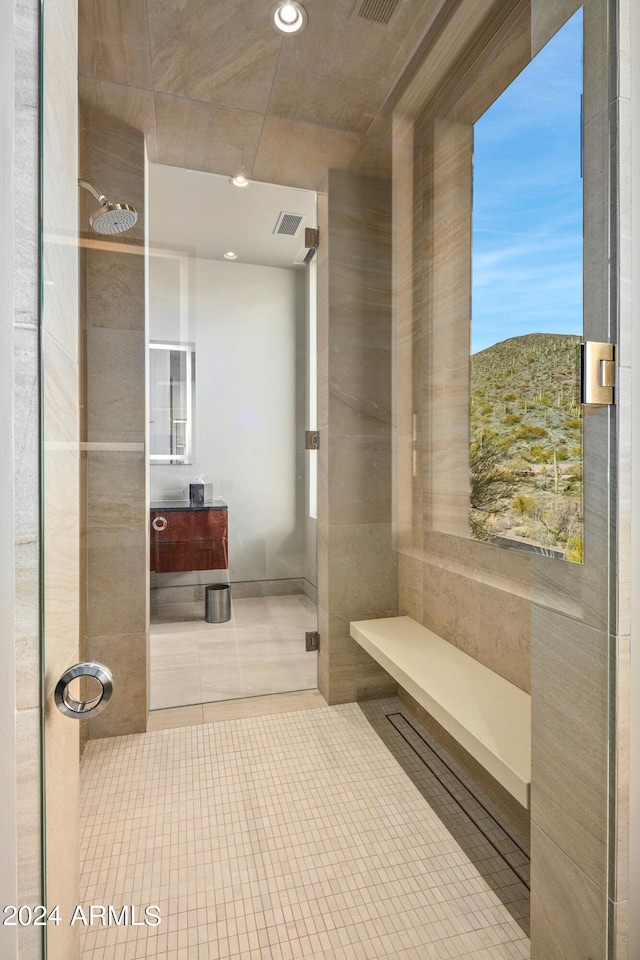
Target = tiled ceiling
(215,88)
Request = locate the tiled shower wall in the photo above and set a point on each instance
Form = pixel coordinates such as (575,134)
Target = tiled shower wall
(473,595)
(356,556)
(541,624)
(61,434)
(115,522)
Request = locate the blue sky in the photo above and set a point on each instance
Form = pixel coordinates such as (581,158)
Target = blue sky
(527,200)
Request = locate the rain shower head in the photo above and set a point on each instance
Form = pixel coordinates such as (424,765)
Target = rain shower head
(111,217)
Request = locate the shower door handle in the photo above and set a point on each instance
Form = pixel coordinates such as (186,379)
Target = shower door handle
(78,709)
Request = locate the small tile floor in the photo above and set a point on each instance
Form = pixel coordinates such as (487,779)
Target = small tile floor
(260,651)
(311,834)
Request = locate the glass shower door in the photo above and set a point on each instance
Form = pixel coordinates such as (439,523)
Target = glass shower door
(233,538)
(228,825)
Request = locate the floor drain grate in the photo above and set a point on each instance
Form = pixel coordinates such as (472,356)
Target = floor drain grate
(506,846)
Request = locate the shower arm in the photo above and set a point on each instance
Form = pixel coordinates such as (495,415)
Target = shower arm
(100,197)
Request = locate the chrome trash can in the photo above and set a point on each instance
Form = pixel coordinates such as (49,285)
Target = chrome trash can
(217,603)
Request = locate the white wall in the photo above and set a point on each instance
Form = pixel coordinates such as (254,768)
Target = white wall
(247,323)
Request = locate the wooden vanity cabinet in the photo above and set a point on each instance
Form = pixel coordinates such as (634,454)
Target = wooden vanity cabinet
(194,538)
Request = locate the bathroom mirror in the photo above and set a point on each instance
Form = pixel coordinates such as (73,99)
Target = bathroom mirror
(171,402)
(525,449)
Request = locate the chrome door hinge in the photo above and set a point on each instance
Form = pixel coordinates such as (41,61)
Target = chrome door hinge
(311,241)
(311,440)
(311,641)
(598,372)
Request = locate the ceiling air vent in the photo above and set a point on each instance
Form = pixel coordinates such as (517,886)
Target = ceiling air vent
(288,224)
(376,11)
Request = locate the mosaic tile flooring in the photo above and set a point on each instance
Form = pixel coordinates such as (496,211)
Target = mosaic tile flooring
(311,834)
(259,651)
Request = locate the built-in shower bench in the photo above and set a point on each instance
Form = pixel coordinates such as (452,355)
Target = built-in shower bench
(487,715)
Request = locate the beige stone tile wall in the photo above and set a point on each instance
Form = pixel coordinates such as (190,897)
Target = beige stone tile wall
(356,547)
(567,919)
(469,593)
(114,510)
(61,453)
(569,791)
(541,624)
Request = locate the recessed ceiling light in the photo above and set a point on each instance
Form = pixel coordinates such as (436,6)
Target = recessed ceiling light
(230,255)
(288,16)
(239,181)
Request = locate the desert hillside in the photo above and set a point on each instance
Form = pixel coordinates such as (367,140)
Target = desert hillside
(526,443)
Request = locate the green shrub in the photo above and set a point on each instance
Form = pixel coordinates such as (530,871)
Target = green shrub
(523,506)
(528,431)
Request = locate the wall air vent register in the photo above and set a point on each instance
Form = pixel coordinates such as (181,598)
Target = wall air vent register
(288,224)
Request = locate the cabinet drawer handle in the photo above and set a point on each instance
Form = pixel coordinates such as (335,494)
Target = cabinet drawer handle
(159,524)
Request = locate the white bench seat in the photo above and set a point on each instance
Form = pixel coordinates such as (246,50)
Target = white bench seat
(487,715)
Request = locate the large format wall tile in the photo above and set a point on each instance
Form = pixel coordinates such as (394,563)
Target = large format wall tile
(116,492)
(115,520)
(568,911)
(359,678)
(547,19)
(410,586)
(114,162)
(121,20)
(206,136)
(63,831)
(489,624)
(346,89)
(59,185)
(361,469)
(225,54)
(357,565)
(115,374)
(619,914)
(128,64)
(61,508)
(115,287)
(29,805)
(117,572)
(570,785)
(116,106)
(620,758)
(61,561)
(324,673)
(299,154)
(362,571)
(26,557)
(61,475)
(596,161)
(126,657)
